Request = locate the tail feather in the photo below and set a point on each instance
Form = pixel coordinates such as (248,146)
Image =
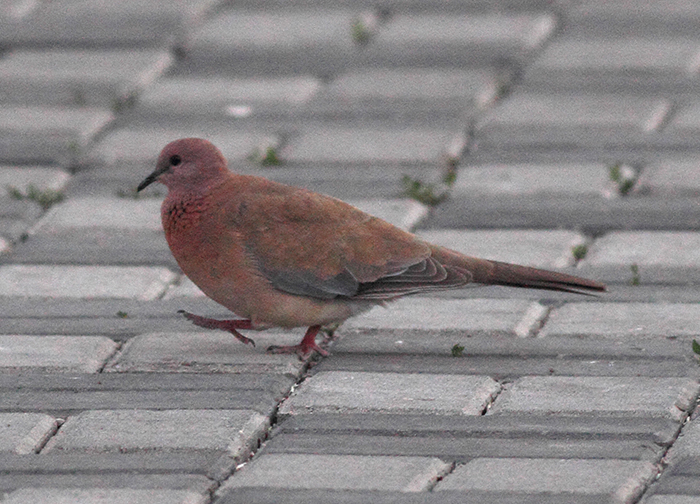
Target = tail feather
(488,272)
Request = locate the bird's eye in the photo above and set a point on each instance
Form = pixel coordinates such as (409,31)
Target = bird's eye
(175,160)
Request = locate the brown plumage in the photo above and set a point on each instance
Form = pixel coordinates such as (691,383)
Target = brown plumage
(283,256)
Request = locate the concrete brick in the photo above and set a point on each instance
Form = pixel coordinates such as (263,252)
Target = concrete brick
(25,433)
(666,257)
(130,23)
(111,213)
(539,180)
(642,65)
(339,472)
(72,354)
(233,431)
(513,317)
(618,480)
(569,395)
(275,41)
(653,18)
(104,496)
(79,78)
(531,121)
(672,499)
(671,178)
(540,249)
(626,322)
(456,40)
(683,128)
(352,392)
(227,96)
(48,134)
(141,146)
(40,177)
(330,144)
(687,445)
(394,93)
(208,352)
(120,282)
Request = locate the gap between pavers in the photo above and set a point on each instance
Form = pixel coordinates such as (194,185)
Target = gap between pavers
(25,433)
(55,354)
(118,282)
(345,392)
(104,496)
(621,481)
(234,432)
(596,395)
(338,472)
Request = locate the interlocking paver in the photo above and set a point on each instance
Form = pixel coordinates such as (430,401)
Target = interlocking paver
(116,282)
(230,431)
(346,392)
(43,134)
(105,496)
(24,433)
(403,474)
(79,78)
(617,480)
(68,354)
(564,395)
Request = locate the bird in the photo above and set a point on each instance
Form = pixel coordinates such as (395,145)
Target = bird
(282,256)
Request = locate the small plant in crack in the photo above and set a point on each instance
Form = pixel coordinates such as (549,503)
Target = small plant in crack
(457,350)
(46,198)
(623,176)
(266,156)
(579,251)
(634,268)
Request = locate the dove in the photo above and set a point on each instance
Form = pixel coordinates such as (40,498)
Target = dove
(282,256)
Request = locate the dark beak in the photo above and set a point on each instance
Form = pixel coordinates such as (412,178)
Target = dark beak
(147,181)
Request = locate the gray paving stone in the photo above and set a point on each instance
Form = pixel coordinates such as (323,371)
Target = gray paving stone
(683,127)
(90,212)
(234,431)
(652,18)
(48,134)
(25,433)
(72,354)
(540,249)
(672,499)
(208,352)
(95,246)
(331,144)
(398,93)
(569,395)
(71,23)
(671,178)
(105,496)
(531,179)
(79,78)
(624,321)
(515,318)
(16,216)
(531,121)
(41,177)
(194,483)
(229,97)
(402,474)
(688,444)
(275,41)
(438,39)
(643,65)
(118,282)
(347,392)
(139,147)
(669,257)
(616,480)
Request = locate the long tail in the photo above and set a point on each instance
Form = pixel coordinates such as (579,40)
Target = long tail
(488,272)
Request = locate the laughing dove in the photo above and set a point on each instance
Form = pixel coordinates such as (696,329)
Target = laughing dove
(282,256)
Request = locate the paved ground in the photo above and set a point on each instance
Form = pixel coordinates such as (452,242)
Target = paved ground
(484,395)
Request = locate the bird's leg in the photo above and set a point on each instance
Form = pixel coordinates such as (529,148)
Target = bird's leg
(225,325)
(303,349)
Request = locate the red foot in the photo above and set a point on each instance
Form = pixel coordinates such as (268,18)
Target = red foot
(224,325)
(303,349)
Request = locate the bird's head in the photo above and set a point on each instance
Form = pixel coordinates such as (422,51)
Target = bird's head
(188,163)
